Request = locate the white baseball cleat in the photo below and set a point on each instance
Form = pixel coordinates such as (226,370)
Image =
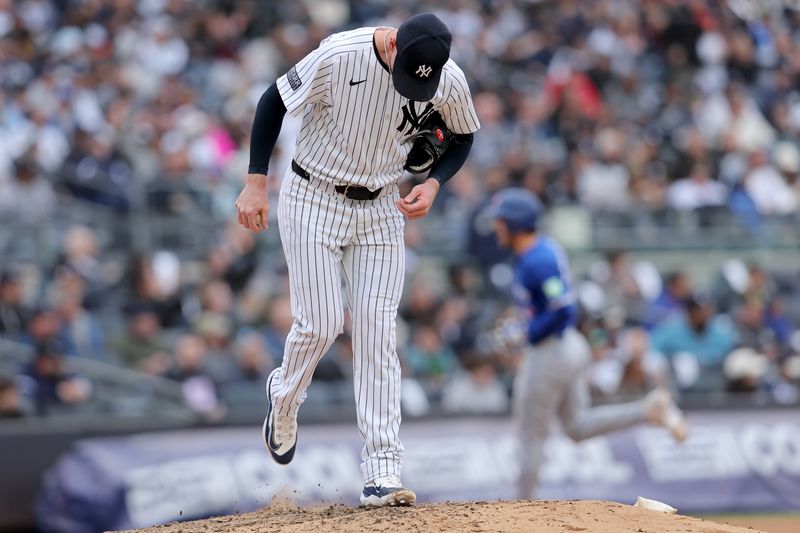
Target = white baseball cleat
(661,410)
(279,431)
(387,491)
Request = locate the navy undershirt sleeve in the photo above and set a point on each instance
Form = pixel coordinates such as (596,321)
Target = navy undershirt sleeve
(453,158)
(266,128)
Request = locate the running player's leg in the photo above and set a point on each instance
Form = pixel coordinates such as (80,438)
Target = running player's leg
(538,389)
(311,226)
(580,420)
(374,270)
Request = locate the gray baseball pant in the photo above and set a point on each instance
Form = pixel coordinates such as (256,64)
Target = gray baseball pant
(550,383)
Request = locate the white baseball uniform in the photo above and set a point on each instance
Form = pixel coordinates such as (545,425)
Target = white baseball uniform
(355,130)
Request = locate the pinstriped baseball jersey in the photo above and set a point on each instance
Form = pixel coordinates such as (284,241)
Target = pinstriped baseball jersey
(356,127)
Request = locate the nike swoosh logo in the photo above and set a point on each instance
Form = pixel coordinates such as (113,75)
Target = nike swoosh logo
(352,83)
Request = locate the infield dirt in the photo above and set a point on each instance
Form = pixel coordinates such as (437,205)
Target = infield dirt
(473,517)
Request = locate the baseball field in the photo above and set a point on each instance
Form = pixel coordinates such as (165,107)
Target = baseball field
(503,516)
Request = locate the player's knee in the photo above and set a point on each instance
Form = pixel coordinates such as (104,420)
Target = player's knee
(326,331)
(575,431)
(365,316)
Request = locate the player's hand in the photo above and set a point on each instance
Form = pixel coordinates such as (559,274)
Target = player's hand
(418,202)
(252,206)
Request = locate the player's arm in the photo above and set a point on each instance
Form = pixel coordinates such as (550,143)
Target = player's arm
(307,82)
(266,128)
(460,118)
(453,158)
(419,201)
(558,314)
(253,204)
(545,324)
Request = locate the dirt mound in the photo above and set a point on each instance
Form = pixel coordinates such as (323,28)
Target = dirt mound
(505,516)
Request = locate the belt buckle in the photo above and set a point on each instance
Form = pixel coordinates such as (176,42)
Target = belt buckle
(347,190)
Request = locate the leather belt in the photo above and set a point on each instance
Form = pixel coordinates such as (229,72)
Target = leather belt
(354,192)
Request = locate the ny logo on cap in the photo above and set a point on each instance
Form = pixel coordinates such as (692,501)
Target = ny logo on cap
(423,71)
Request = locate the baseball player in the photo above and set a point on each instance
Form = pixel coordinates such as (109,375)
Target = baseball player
(550,381)
(363,95)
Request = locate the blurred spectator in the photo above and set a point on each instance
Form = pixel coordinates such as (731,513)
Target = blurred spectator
(432,361)
(604,370)
(749,319)
(494,141)
(279,322)
(677,289)
(744,370)
(155,282)
(733,120)
(79,332)
(29,197)
(616,277)
(141,345)
(603,183)
(790,370)
(162,51)
(98,173)
(189,359)
(705,337)
(475,390)
(51,387)
(643,368)
(13,314)
(253,360)
(10,399)
(759,285)
(422,302)
(777,320)
(216,330)
(216,297)
(768,188)
(43,327)
(621,281)
(786,157)
(81,258)
(696,191)
(234,259)
(189,367)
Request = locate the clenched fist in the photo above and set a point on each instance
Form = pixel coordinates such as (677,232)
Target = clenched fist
(252,205)
(418,202)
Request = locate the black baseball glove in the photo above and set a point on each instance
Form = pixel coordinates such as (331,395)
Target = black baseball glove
(430,142)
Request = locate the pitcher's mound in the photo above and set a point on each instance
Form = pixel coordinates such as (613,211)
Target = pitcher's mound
(505,516)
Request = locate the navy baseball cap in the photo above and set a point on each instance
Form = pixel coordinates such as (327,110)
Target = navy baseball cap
(423,47)
(518,208)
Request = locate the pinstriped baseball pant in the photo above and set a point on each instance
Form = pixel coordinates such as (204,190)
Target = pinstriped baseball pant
(550,384)
(326,235)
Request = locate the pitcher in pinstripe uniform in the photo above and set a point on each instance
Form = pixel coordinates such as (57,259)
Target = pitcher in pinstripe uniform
(362,95)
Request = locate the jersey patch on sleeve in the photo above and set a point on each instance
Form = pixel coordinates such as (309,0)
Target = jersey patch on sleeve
(294,80)
(553,287)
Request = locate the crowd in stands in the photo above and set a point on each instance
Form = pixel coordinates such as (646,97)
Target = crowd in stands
(614,106)
(218,326)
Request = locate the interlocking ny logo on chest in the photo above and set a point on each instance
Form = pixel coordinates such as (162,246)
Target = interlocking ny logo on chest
(411,119)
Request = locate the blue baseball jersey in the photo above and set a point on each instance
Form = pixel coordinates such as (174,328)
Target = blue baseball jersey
(543,286)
